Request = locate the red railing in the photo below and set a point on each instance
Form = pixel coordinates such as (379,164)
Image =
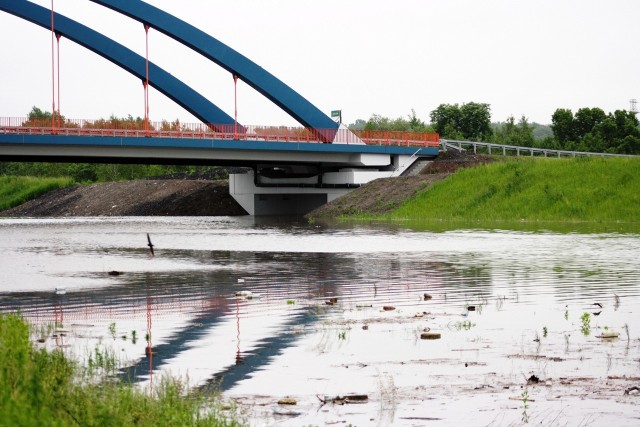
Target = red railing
(164,129)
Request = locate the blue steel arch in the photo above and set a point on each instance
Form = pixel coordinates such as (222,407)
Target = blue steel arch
(130,61)
(255,76)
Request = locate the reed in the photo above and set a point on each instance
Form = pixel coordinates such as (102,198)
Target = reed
(39,387)
(523,189)
(15,190)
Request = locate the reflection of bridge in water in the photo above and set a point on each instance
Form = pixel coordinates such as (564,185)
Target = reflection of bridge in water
(186,308)
(195,314)
(293,171)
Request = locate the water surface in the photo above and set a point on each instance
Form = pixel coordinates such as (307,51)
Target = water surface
(530,291)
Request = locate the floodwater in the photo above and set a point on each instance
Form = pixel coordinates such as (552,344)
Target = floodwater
(339,311)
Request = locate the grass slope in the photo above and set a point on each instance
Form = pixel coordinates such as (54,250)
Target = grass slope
(577,189)
(16,190)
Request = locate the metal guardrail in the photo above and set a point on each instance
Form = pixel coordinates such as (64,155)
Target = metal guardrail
(519,151)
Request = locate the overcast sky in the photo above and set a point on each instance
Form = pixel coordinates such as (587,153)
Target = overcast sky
(360,56)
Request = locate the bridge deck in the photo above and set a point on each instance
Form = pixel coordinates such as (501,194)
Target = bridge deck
(129,142)
(111,148)
(164,129)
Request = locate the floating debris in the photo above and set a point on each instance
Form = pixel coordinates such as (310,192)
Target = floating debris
(247,295)
(533,380)
(471,308)
(114,273)
(61,291)
(427,335)
(630,389)
(426,297)
(521,398)
(608,335)
(388,308)
(240,280)
(364,305)
(287,401)
(341,400)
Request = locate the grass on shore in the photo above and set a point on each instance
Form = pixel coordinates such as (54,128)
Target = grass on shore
(39,387)
(16,190)
(582,189)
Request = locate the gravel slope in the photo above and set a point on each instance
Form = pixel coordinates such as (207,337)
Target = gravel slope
(134,198)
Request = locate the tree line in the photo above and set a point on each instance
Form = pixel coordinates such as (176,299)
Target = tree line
(589,129)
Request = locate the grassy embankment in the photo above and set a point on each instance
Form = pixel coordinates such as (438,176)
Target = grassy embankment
(15,190)
(522,189)
(38,387)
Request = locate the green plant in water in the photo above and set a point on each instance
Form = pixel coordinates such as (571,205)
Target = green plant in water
(134,337)
(342,335)
(544,331)
(525,406)
(291,301)
(566,315)
(586,324)
(466,325)
(112,330)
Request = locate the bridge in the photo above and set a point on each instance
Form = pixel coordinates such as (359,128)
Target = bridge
(293,170)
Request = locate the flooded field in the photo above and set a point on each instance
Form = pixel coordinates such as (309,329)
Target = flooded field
(310,325)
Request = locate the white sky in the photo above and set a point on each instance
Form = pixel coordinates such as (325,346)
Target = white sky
(362,56)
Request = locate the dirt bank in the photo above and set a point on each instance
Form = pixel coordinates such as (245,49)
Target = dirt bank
(164,197)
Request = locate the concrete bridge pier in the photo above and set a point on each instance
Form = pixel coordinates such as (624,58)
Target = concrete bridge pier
(263,196)
(264,193)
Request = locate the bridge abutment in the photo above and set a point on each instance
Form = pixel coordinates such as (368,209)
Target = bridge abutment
(264,196)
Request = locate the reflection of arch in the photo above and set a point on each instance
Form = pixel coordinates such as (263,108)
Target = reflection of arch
(261,80)
(164,82)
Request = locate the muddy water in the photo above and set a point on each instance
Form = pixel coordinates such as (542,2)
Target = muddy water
(535,302)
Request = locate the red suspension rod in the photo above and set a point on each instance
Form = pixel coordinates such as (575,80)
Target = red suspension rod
(58,35)
(146,83)
(53,74)
(235,102)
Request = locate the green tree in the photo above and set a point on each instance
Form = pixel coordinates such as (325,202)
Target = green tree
(417,125)
(591,129)
(359,124)
(470,121)
(585,120)
(476,121)
(37,114)
(512,133)
(446,121)
(618,133)
(377,122)
(562,126)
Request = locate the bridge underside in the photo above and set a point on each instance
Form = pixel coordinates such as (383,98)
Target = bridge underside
(283,178)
